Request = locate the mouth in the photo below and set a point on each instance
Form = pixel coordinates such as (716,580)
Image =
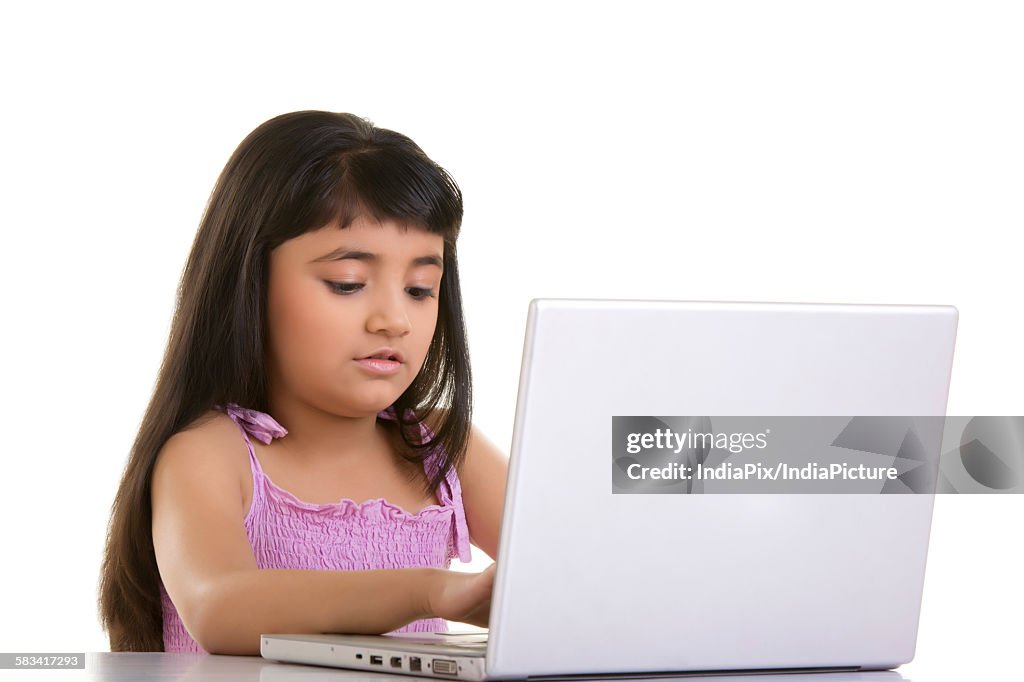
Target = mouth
(382,362)
(389,354)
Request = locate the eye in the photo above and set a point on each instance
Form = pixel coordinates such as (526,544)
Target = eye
(346,288)
(419,293)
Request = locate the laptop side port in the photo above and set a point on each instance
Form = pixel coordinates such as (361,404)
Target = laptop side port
(414,664)
(443,666)
(396,661)
(376,660)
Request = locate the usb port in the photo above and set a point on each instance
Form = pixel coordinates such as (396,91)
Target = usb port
(376,660)
(443,666)
(414,664)
(396,661)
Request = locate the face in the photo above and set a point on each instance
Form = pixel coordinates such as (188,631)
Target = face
(336,296)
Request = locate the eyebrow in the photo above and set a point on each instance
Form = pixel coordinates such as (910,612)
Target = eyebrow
(345,252)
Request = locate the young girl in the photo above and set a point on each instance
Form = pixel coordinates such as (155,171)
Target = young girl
(317,352)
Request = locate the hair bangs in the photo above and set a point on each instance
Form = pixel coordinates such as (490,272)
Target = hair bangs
(390,183)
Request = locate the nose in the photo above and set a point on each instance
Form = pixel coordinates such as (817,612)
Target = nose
(388,314)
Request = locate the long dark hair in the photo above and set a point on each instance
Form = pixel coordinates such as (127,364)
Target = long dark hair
(295,173)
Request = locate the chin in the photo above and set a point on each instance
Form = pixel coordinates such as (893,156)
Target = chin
(374,404)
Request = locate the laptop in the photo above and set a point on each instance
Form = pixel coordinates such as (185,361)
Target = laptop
(644,585)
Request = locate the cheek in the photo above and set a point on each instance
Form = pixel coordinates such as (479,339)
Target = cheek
(303,327)
(425,327)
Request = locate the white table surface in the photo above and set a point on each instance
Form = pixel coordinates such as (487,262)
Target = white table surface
(201,667)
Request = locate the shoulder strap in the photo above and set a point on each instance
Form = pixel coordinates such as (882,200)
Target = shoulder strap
(259,425)
(450,490)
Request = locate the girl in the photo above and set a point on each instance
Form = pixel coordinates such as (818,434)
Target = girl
(317,352)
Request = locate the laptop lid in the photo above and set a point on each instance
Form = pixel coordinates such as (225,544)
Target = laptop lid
(589,581)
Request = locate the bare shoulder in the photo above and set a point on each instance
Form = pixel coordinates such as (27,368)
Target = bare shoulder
(209,447)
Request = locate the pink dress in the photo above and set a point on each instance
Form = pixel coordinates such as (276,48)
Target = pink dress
(286,532)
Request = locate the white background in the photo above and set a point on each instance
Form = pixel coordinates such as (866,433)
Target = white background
(858,152)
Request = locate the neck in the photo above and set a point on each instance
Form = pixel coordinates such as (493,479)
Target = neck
(315,435)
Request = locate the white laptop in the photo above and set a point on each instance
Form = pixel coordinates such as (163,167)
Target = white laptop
(600,584)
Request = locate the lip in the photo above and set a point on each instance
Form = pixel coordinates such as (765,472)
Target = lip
(379,366)
(385,352)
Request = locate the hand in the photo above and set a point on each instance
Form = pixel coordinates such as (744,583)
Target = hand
(462,597)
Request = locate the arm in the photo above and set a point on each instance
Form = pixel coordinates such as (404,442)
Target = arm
(226,601)
(244,605)
(483,477)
